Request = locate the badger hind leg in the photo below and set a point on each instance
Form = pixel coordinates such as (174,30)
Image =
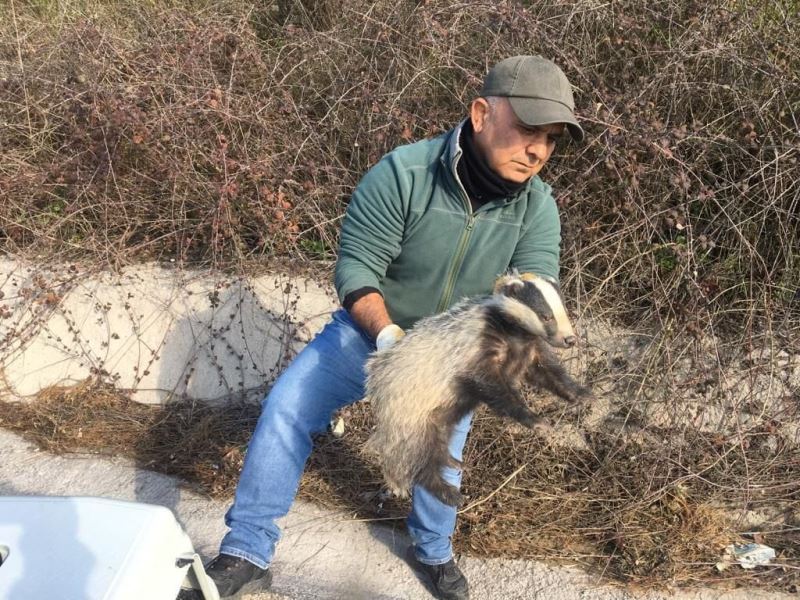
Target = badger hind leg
(431,479)
(394,453)
(415,456)
(417,453)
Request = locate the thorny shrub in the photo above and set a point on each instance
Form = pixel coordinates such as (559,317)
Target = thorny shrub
(224,133)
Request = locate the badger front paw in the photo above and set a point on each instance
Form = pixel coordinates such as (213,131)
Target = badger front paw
(532,421)
(578,394)
(542,426)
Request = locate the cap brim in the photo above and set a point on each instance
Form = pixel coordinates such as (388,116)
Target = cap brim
(538,111)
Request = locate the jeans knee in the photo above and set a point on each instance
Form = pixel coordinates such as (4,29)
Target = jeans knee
(289,411)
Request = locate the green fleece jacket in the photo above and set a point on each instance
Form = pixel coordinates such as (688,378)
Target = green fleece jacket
(410,232)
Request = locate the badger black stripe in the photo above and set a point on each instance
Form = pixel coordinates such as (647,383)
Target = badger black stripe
(501,324)
(531,296)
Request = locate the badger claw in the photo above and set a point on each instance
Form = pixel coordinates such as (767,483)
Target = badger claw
(534,422)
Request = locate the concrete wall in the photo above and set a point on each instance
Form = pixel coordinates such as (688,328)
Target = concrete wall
(160,332)
(154,331)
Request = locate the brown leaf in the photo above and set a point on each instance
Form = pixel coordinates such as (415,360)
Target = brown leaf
(51,298)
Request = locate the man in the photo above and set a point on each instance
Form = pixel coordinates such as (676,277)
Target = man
(431,223)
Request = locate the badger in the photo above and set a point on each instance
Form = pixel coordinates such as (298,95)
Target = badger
(484,349)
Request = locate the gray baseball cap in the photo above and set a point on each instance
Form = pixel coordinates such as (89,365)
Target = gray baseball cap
(537,89)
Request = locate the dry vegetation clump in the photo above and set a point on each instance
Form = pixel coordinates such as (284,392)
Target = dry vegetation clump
(224,131)
(201,444)
(631,508)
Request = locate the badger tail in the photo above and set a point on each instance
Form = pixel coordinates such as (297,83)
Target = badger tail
(415,455)
(438,457)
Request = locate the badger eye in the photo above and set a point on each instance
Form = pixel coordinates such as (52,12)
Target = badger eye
(547,319)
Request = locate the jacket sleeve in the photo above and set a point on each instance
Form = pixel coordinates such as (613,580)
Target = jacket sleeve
(538,250)
(372,230)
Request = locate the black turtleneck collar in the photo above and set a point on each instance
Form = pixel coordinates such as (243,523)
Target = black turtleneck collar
(480,182)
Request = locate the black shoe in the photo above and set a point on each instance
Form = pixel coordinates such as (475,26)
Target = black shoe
(447,582)
(234,576)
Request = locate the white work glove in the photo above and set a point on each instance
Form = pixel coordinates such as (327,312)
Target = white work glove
(388,337)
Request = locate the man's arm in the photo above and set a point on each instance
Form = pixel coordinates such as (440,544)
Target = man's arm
(370,313)
(370,239)
(538,249)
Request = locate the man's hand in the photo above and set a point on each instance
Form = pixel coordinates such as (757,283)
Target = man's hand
(388,337)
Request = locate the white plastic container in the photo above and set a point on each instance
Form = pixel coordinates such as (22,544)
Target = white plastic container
(76,548)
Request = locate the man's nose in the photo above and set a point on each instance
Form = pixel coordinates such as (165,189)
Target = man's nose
(537,146)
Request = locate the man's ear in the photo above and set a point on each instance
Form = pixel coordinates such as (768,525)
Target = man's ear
(478,111)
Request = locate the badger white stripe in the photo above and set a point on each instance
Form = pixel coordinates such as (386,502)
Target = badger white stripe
(553,299)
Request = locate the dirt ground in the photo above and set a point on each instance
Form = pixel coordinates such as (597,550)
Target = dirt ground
(324,554)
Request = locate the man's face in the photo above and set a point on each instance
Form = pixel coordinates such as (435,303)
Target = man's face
(512,149)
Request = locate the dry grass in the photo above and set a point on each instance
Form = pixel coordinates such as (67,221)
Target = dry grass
(201,444)
(626,508)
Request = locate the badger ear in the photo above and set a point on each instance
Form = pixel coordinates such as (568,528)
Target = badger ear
(507,283)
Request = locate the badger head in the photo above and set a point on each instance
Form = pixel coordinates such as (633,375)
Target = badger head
(536,303)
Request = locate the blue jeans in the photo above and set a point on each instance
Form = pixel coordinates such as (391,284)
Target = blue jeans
(327,375)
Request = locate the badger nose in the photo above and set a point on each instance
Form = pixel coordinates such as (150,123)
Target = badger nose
(570,340)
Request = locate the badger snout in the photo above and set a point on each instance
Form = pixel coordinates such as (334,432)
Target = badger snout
(563,341)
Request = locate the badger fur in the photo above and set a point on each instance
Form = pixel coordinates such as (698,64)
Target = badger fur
(481,350)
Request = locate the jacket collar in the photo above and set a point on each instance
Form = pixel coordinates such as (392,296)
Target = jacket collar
(452,154)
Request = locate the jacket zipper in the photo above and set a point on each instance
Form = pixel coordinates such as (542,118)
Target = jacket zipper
(462,250)
(463,242)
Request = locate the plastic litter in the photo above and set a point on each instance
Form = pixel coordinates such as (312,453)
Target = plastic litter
(337,427)
(749,556)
